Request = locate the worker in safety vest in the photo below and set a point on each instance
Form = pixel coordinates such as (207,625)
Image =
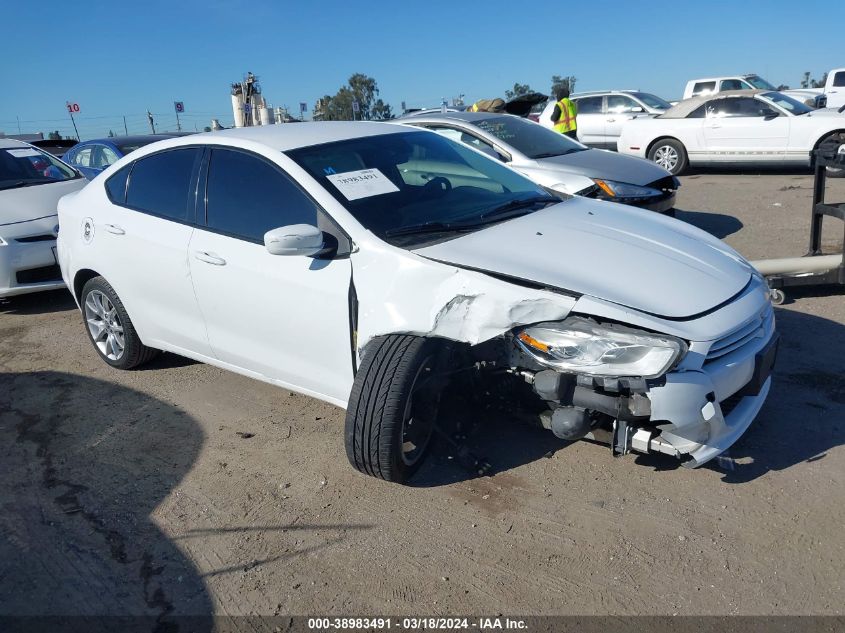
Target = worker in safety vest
(565,113)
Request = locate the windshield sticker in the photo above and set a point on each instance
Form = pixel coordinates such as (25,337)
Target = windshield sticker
(23,152)
(364,183)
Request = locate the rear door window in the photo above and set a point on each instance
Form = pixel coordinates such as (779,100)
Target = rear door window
(82,157)
(161,184)
(839,79)
(702,87)
(589,105)
(248,196)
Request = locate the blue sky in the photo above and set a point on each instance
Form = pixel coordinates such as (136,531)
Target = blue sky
(121,58)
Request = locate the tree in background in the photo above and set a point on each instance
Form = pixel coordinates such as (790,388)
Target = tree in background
(559,82)
(111,133)
(518,91)
(360,88)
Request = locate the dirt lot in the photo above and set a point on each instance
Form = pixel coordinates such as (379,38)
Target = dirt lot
(184,489)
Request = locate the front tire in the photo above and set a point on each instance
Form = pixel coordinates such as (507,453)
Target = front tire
(393,407)
(669,154)
(109,327)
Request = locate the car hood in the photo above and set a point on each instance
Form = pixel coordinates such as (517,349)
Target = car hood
(647,262)
(596,163)
(28,203)
(824,112)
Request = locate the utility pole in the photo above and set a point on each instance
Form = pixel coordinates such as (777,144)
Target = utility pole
(125,129)
(150,119)
(19,124)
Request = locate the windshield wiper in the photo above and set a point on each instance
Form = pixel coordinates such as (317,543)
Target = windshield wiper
(518,205)
(553,154)
(428,227)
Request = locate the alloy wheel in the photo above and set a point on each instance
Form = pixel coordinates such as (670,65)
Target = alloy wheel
(104,325)
(667,157)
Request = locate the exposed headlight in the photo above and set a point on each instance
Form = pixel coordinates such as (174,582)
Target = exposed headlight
(614,189)
(579,346)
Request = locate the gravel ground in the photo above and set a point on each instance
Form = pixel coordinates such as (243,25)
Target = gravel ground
(184,489)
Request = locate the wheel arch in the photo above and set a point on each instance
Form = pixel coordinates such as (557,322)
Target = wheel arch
(819,142)
(81,278)
(826,135)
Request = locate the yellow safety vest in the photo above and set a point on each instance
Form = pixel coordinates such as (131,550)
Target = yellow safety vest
(568,112)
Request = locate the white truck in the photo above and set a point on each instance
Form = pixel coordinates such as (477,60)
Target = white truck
(833,90)
(831,96)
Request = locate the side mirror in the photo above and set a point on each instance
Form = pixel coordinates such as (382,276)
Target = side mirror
(768,115)
(637,109)
(296,239)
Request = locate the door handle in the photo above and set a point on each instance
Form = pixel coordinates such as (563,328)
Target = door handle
(209,258)
(114,228)
(611,120)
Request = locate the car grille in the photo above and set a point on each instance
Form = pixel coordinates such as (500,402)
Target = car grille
(36,275)
(36,238)
(754,329)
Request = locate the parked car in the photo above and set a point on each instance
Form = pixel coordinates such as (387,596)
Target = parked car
(832,93)
(92,157)
(382,268)
(741,127)
(602,114)
(57,147)
(557,162)
(713,85)
(31,183)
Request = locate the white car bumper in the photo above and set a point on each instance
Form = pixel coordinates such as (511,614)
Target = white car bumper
(28,257)
(701,413)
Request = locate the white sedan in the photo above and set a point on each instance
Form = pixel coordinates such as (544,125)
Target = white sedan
(316,258)
(31,184)
(738,127)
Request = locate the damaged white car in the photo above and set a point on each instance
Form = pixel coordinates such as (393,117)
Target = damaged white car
(377,267)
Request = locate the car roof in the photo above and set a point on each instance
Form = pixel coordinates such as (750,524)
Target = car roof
(11,142)
(129,140)
(289,136)
(464,117)
(720,77)
(686,106)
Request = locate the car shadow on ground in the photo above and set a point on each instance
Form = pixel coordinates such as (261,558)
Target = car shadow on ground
(717,224)
(802,419)
(38,303)
(85,462)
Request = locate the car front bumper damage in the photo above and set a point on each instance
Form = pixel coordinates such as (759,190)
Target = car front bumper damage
(693,415)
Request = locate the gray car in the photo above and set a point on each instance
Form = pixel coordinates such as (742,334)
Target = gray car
(556,162)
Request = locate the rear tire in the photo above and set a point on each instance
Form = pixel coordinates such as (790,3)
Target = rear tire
(109,327)
(669,154)
(393,407)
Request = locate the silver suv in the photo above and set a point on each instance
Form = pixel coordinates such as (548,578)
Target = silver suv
(601,114)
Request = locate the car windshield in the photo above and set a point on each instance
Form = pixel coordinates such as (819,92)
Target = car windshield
(787,103)
(415,187)
(759,83)
(25,166)
(652,101)
(535,141)
(126,148)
